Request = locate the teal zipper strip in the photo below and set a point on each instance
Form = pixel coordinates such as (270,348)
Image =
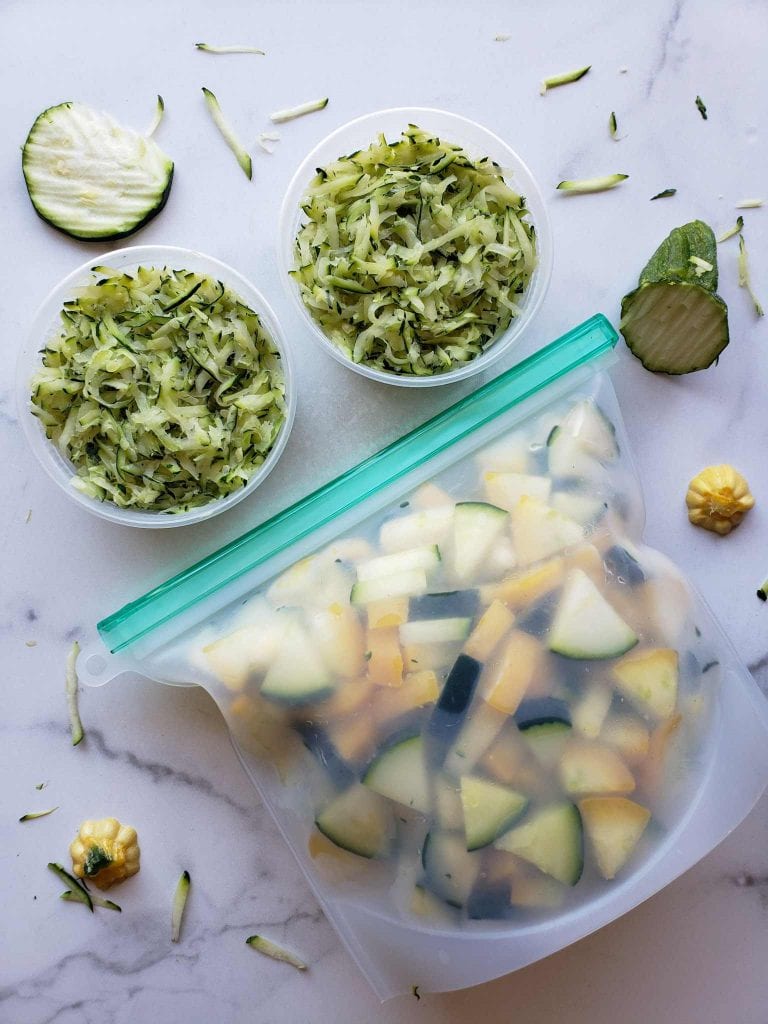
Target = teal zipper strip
(576,348)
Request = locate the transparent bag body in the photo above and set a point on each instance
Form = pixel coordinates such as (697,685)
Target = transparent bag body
(484,716)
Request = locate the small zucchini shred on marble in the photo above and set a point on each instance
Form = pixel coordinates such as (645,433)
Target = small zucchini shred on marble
(666,193)
(583,186)
(674,322)
(731,232)
(72,682)
(745,280)
(563,79)
(77,890)
(32,815)
(105,852)
(275,952)
(228,133)
(180,897)
(718,498)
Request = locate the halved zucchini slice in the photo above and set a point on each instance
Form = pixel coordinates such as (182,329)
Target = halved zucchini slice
(489,809)
(360,821)
(585,625)
(552,840)
(400,774)
(649,679)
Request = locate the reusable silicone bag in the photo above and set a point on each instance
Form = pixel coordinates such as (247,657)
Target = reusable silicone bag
(486,719)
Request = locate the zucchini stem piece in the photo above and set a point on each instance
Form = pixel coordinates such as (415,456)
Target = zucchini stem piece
(79,891)
(584,185)
(207,48)
(31,815)
(159,111)
(303,108)
(227,133)
(565,79)
(274,951)
(72,701)
(179,903)
(701,107)
(744,276)
(666,194)
(73,897)
(613,127)
(750,204)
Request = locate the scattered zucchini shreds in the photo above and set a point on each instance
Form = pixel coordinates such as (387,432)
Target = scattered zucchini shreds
(737,227)
(502,37)
(750,204)
(700,107)
(762,591)
(700,266)
(31,815)
(565,79)
(744,277)
(72,702)
(29,516)
(159,111)
(623,71)
(163,389)
(228,134)
(303,108)
(40,785)
(179,903)
(75,885)
(666,194)
(584,185)
(413,256)
(30,643)
(274,951)
(71,896)
(613,127)
(207,48)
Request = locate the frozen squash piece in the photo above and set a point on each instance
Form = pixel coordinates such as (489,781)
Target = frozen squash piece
(385,659)
(649,679)
(614,826)
(494,623)
(539,531)
(418,690)
(525,588)
(383,614)
(628,734)
(339,637)
(511,675)
(592,768)
(506,489)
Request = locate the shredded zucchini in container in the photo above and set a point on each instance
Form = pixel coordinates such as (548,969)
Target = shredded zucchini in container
(413,257)
(162,388)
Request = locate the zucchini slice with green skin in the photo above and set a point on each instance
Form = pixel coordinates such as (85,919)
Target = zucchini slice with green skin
(476,528)
(673,321)
(451,870)
(298,675)
(489,810)
(90,177)
(674,327)
(400,774)
(585,624)
(551,839)
(360,821)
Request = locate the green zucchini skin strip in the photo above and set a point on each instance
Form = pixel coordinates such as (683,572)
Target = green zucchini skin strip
(275,952)
(179,903)
(227,133)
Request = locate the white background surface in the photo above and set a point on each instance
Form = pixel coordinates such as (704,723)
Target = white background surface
(160,758)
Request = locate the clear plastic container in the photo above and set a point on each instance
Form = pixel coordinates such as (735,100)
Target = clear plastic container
(478,141)
(406,678)
(46,323)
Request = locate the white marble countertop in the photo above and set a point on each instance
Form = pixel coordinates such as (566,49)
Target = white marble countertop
(160,758)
